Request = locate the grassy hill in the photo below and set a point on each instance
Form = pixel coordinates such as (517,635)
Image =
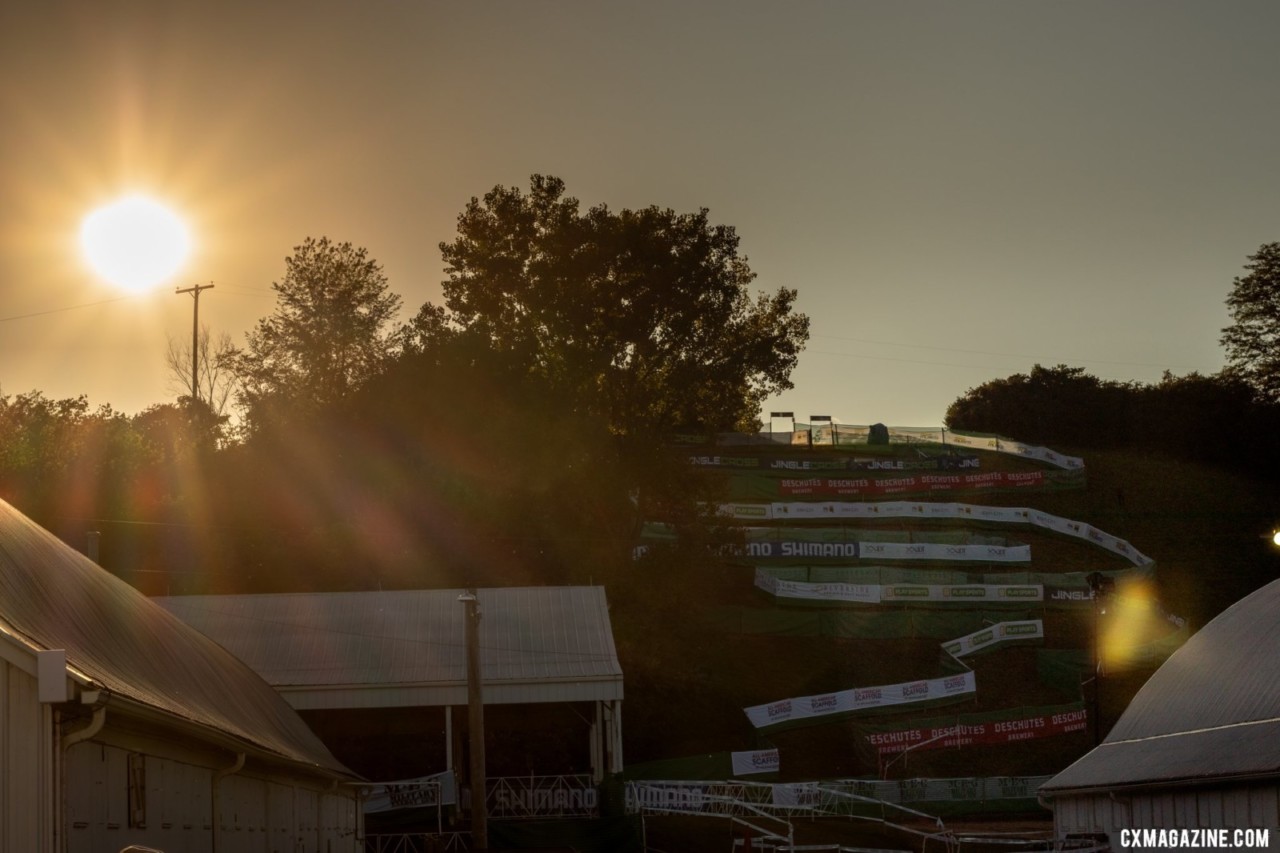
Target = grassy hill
(688,679)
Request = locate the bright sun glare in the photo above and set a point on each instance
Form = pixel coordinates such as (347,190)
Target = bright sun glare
(135,243)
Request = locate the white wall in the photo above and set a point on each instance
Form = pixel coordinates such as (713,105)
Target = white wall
(26,761)
(257,814)
(1218,807)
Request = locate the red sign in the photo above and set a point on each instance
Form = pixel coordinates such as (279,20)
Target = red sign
(987,732)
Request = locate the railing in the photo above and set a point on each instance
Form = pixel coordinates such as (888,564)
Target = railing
(417,842)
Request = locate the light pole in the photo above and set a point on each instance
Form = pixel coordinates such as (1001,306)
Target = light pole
(194,290)
(1099,586)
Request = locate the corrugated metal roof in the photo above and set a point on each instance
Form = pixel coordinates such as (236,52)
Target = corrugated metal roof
(1212,710)
(409,647)
(55,598)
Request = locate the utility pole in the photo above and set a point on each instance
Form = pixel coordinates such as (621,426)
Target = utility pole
(194,290)
(475,720)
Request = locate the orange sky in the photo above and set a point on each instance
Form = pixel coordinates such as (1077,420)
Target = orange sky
(958,190)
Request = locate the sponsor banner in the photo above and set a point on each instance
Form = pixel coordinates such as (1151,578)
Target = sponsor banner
(915,483)
(1016,448)
(425,791)
(932,551)
(835,510)
(792,549)
(542,796)
(962,593)
(860,699)
(861,593)
(974,730)
(995,635)
(705,461)
(797,795)
(755,761)
(837,463)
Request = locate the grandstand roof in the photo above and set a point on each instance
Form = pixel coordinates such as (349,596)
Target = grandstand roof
(407,648)
(52,597)
(1211,712)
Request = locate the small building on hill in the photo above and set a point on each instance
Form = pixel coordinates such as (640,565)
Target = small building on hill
(121,725)
(382,678)
(1198,747)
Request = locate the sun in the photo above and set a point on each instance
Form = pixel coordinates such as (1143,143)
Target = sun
(135,243)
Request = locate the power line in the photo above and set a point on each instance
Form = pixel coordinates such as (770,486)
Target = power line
(68,308)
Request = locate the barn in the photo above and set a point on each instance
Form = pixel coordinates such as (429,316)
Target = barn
(121,725)
(381,676)
(1197,749)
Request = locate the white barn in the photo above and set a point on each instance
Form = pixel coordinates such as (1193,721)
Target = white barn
(546,654)
(1198,747)
(121,725)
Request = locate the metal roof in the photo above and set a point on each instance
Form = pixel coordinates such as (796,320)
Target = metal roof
(408,647)
(1212,711)
(52,597)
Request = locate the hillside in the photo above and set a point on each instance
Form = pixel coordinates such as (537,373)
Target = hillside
(691,669)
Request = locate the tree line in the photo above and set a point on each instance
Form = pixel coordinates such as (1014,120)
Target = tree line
(504,436)
(1230,419)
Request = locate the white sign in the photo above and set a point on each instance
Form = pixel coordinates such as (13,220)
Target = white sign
(860,698)
(755,761)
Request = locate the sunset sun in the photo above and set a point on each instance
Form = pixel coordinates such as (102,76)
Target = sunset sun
(135,243)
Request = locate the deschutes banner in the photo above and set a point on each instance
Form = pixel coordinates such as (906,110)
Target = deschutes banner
(980,729)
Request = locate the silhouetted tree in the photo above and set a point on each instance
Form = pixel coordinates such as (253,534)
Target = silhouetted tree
(332,329)
(1252,340)
(643,317)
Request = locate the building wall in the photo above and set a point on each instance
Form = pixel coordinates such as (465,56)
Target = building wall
(1228,807)
(26,763)
(125,793)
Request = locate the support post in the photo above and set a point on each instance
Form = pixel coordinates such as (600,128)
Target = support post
(475,718)
(194,290)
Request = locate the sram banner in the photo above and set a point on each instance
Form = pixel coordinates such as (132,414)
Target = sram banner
(861,699)
(1001,633)
(986,732)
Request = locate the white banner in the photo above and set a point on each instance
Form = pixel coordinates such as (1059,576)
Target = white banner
(425,791)
(961,593)
(862,593)
(869,593)
(933,551)
(860,698)
(832,510)
(755,761)
(1001,632)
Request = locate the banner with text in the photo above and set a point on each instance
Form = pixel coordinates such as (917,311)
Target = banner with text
(1001,633)
(829,511)
(756,761)
(887,696)
(981,729)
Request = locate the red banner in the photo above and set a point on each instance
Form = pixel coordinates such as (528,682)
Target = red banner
(988,732)
(911,483)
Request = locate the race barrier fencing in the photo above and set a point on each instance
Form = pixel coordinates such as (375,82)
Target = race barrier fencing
(808,710)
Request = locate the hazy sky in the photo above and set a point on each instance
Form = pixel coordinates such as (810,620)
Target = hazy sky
(959,190)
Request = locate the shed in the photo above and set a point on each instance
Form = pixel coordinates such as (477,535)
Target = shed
(406,649)
(1199,745)
(121,725)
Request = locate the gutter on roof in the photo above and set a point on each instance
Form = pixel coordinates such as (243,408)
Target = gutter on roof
(225,740)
